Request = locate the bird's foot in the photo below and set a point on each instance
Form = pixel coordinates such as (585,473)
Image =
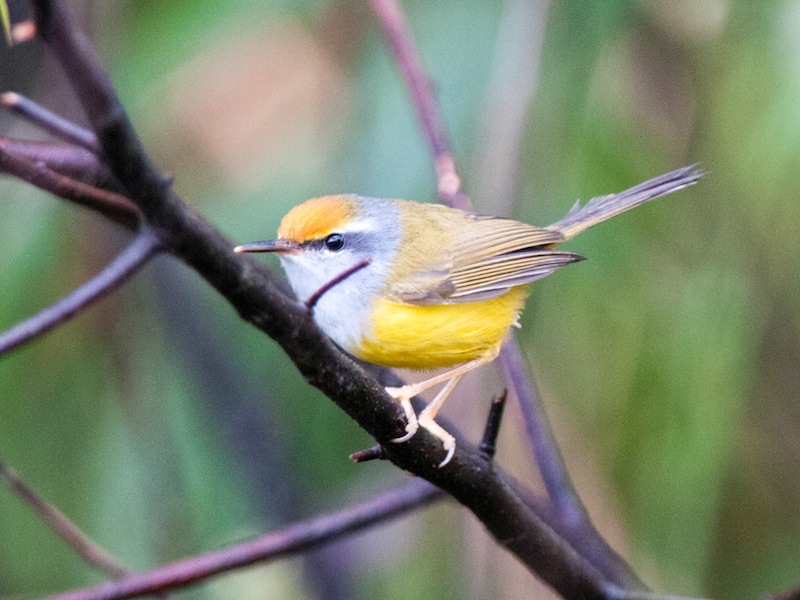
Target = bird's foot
(403,395)
(440,433)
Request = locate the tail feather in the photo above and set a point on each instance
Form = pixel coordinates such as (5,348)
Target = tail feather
(600,209)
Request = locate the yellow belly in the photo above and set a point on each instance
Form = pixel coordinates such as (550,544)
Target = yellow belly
(425,337)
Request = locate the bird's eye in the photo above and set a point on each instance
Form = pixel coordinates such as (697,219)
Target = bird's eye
(334,242)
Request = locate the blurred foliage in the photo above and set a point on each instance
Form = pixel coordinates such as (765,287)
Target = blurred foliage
(164,426)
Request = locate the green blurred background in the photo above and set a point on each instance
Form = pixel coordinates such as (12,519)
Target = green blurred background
(165,426)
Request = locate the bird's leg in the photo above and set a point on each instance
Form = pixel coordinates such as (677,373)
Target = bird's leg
(427,416)
(404,394)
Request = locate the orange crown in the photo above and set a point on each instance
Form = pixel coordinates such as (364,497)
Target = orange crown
(316,218)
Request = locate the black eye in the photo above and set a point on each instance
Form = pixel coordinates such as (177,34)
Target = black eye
(334,242)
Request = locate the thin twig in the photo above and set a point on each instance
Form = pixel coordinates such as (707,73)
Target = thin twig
(63,527)
(514,80)
(516,74)
(316,296)
(569,515)
(119,270)
(288,541)
(114,206)
(420,88)
(49,121)
(548,458)
(71,161)
(410,65)
(368,454)
(488,445)
(120,146)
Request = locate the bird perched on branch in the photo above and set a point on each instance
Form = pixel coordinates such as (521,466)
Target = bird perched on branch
(420,286)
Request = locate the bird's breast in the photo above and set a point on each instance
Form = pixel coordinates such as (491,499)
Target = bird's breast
(442,335)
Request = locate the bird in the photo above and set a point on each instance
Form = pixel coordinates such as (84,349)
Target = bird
(407,284)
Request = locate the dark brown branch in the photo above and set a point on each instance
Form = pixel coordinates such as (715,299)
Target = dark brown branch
(118,271)
(421,90)
(291,540)
(116,207)
(71,161)
(63,527)
(49,121)
(121,148)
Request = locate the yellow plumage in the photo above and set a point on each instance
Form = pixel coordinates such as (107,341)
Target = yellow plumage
(441,335)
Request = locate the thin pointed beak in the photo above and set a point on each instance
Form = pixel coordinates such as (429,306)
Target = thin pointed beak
(277,246)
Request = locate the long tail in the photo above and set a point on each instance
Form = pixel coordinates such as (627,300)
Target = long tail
(597,210)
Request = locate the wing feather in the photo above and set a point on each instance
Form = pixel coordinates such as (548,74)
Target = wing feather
(490,256)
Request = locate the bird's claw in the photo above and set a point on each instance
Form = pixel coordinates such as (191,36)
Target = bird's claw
(441,434)
(401,394)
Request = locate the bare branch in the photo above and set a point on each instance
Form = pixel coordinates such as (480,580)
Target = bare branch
(373,453)
(548,458)
(114,206)
(291,540)
(121,147)
(63,527)
(128,262)
(516,74)
(49,121)
(420,88)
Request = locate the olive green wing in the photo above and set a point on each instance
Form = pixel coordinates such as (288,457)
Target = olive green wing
(497,254)
(489,256)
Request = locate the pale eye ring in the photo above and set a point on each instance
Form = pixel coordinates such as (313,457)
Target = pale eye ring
(334,242)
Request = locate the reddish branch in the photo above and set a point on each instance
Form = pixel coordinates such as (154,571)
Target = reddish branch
(405,52)
(71,161)
(36,170)
(286,542)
